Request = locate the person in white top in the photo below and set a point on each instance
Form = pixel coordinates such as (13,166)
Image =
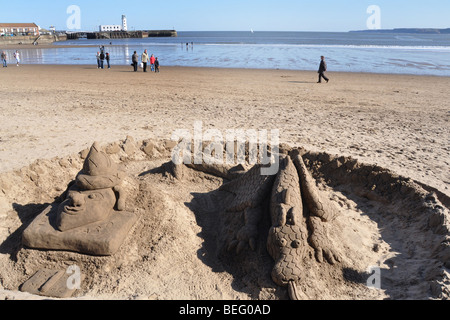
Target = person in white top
(17,56)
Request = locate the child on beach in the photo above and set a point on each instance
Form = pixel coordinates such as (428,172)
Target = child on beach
(17,56)
(152,63)
(156,65)
(107,60)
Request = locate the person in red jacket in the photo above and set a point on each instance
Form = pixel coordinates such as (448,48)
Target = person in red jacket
(152,63)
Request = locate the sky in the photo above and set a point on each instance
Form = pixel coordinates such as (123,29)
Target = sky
(230,15)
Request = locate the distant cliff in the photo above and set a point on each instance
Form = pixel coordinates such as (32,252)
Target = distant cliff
(408,30)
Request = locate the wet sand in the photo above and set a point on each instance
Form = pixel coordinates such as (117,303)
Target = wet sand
(15,46)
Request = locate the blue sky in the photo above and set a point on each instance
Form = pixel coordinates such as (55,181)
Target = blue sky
(232,15)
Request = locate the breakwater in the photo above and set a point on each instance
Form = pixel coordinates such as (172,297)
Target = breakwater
(42,39)
(122,34)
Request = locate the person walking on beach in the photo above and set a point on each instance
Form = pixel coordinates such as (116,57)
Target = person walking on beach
(4,57)
(152,63)
(17,56)
(107,60)
(156,65)
(322,69)
(135,59)
(145,59)
(98,60)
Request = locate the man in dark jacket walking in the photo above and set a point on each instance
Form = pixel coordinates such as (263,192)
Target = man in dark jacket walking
(322,69)
(102,59)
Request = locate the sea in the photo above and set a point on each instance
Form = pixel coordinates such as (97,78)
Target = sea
(391,53)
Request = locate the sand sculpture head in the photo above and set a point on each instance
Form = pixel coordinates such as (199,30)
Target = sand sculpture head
(95,193)
(286,246)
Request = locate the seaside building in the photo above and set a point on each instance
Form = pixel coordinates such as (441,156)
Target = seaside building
(115,27)
(19,29)
(110,27)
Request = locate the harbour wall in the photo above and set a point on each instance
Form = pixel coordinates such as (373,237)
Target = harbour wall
(42,39)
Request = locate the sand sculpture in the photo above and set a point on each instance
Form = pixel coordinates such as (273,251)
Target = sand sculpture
(283,216)
(297,213)
(92,197)
(91,219)
(50,283)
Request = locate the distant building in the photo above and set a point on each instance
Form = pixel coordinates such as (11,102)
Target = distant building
(28,29)
(115,27)
(110,27)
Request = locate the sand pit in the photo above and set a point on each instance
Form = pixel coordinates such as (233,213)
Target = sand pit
(178,249)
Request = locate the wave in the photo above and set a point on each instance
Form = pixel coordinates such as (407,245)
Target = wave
(337,46)
(272,45)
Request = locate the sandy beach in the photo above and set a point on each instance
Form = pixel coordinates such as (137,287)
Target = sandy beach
(399,123)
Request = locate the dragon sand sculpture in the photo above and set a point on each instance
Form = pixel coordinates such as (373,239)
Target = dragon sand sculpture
(297,213)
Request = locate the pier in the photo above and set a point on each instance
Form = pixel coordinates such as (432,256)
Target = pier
(122,34)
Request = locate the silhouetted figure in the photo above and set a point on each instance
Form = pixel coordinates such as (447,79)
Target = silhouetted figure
(322,69)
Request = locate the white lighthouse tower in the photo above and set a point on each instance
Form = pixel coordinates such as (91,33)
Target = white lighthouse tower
(124,23)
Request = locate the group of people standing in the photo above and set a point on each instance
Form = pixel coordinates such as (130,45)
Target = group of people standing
(145,60)
(4,58)
(101,57)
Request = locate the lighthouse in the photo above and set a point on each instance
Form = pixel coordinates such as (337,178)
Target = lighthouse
(124,23)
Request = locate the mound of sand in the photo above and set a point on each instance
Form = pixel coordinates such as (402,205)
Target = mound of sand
(178,247)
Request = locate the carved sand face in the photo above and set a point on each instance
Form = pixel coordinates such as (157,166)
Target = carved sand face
(82,207)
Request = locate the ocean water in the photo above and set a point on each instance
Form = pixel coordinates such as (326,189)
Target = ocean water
(420,54)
